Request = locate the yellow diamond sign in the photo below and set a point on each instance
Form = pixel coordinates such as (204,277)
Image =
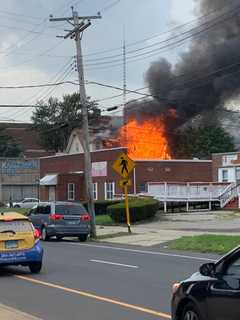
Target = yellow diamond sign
(123,165)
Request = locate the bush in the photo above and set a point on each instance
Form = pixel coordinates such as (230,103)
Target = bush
(140,209)
(101,206)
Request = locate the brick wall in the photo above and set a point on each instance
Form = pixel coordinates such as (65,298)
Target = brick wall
(146,171)
(173,171)
(216,163)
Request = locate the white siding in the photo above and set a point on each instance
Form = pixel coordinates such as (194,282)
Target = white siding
(230,173)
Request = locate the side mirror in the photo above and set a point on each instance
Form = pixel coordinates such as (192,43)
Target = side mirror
(208,270)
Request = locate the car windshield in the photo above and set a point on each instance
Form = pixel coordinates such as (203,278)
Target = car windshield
(70,209)
(15,226)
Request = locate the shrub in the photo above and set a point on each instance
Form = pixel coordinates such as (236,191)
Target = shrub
(101,206)
(140,209)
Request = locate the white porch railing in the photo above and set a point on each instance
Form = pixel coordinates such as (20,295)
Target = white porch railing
(187,191)
(233,191)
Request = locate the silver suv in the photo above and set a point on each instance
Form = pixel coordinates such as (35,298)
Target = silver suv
(61,219)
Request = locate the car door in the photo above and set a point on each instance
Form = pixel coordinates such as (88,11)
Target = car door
(38,216)
(33,216)
(224,299)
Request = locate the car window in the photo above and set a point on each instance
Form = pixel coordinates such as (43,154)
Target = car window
(33,211)
(44,209)
(234,268)
(16,226)
(71,209)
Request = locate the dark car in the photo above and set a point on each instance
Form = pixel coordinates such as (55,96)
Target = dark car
(61,219)
(213,293)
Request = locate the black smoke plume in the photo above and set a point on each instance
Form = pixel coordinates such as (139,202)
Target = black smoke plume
(206,75)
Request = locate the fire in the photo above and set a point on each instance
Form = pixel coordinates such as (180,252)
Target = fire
(146,139)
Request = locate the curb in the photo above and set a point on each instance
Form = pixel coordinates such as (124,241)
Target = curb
(8,313)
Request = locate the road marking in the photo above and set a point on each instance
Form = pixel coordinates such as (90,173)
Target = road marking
(115,264)
(155,253)
(97,297)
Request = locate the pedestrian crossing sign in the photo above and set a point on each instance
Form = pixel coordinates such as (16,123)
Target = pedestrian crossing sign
(123,165)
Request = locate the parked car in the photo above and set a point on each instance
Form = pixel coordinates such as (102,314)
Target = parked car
(213,293)
(19,242)
(27,203)
(61,219)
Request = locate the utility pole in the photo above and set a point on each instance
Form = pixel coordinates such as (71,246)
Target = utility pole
(124,88)
(80,24)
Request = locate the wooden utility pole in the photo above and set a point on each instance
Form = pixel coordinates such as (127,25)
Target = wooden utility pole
(80,24)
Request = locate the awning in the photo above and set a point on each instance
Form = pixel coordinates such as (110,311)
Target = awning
(49,180)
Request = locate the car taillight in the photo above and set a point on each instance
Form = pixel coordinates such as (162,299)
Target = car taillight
(37,234)
(56,216)
(85,217)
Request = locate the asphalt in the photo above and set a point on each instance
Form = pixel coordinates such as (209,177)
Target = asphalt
(98,281)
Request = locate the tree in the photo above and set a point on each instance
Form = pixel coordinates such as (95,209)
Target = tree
(56,119)
(202,142)
(9,147)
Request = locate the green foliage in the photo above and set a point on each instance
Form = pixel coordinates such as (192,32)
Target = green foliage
(104,220)
(56,119)
(101,206)
(202,142)
(140,209)
(9,147)
(206,243)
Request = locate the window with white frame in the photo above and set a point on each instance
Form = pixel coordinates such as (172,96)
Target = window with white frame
(109,190)
(224,175)
(238,174)
(71,191)
(95,191)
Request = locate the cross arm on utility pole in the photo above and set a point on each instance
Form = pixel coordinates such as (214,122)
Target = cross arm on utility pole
(98,16)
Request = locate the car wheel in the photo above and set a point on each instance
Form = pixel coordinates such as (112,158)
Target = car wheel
(16,206)
(83,237)
(190,313)
(44,235)
(35,267)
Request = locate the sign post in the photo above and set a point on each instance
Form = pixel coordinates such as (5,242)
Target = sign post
(123,165)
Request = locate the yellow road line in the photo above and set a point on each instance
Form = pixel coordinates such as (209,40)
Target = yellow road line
(96,297)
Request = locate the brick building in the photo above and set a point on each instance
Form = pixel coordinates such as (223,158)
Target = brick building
(226,167)
(62,176)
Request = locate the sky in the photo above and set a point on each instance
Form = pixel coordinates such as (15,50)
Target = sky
(31,54)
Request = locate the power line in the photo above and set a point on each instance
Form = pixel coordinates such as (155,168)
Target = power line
(188,36)
(177,28)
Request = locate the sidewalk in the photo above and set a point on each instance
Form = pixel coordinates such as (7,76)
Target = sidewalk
(171,227)
(7,313)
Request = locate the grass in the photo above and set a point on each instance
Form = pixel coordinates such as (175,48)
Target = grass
(19,210)
(104,220)
(206,243)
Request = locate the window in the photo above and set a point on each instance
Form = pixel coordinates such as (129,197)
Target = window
(234,268)
(43,209)
(95,191)
(71,209)
(228,160)
(109,190)
(225,176)
(143,187)
(238,174)
(71,191)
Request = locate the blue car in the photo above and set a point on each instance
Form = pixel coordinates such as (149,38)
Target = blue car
(19,242)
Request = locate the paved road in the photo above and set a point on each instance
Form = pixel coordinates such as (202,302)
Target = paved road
(97,281)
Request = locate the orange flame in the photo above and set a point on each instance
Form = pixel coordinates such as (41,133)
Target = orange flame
(145,140)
